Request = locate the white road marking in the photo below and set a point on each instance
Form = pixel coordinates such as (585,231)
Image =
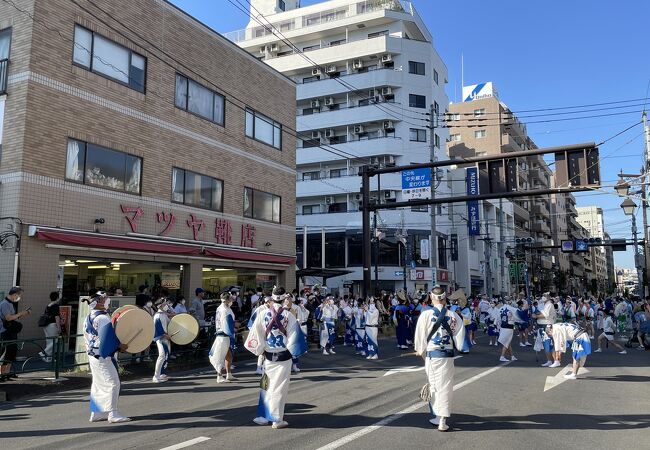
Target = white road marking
(385,421)
(189,443)
(558,379)
(409,368)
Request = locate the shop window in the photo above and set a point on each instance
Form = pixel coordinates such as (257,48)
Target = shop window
(103,167)
(105,57)
(193,189)
(388,252)
(263,129)
(261,205)
(199,100)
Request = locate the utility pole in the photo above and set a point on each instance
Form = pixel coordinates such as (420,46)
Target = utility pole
(644,198)
(433,257)
(376,239)
(500,248)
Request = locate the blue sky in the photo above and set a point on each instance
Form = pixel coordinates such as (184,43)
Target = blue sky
(539,54)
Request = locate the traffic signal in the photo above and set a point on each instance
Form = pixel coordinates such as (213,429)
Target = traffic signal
(524,241)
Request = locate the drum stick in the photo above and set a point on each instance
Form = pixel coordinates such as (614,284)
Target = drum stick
(134,336)
(175,333)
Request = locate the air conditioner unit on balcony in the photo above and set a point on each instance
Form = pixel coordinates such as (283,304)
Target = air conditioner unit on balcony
(388,125)
(329,101)
(331,69)
(315,103)
(358,129)
(315,134)
(263,50)
(329,200)
(386,58)
(389,194)
(357,64)
(316,71)
(387,90)
(329,133)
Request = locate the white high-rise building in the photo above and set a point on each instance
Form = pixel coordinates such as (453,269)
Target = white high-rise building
(591,217)
(367,74)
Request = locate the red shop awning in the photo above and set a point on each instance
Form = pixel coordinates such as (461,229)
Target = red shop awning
(117,242)
(249,256)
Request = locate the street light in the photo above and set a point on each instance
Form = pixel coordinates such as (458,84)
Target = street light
(622,188)
(628,206)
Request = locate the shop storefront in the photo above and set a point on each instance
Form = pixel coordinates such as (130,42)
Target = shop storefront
(218,279)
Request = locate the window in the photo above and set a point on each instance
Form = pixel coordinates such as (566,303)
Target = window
(472,242)
(479,134)
(417,135)
(378,34)
(310,209)
(442,252)
(310,79)
(5,45)
(103,167)
(261,205)
(194,189)
(417,101)
(311,47)
(436,141)
(435,76)
(263,129)
(454,116)
(199,100)
(337,42)
(315,175)
(337,207)
(338,173)
(436,108)
(479,112)
(310,143)
(454,137)
(281,5)
(105,57)
(416,68)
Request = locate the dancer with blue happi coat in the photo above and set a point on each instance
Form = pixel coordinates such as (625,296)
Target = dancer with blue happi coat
(545,314)
(359,312)
(567,335)
(222,349)
(438,332)
(161,338)
(372,329)
(276,335)
(508,317)
(328,313)
(348,320)
(101,346)
(401,318)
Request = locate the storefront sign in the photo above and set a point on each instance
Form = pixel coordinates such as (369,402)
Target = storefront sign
(443,275)
(422,274)
(170,280)
(65,313)
(167,220)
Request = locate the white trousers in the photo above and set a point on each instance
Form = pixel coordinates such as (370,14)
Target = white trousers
(218,353)
(105,388)
(164,349)
(272,400)
(440,373)
(51,331)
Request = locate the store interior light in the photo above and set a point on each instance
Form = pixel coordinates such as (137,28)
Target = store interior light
(85,261)
(119,264)
(116,268)
(207,269)
(98,267)
(222,270)
(68,265)
(67,261)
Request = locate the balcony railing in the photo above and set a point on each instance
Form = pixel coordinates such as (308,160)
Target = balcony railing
(4,65)
(311,20)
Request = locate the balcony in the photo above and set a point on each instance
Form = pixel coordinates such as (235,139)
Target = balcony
(343,185)
(540,226)
(332,86)
(362,149)
(4,65)
(510,144)
(540,209)
(520,213)
(348,116)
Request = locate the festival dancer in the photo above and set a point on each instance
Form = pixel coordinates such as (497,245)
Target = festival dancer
(565,333)
(222,349)
(346,312)
(545,315)
(276,335)
(438,332)
(265,299)
(99,334)
(608,333)
(521,322)
(290,305)
(372,329)
(508,316)
(161,338)
(359,312)
(401,320)
(328,325)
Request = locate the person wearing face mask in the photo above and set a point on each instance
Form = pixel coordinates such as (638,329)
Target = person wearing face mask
(221,352)
(102,345)
(372,328)
(161,338)
(545,315)
(9,329)
(328,328)
(179,305)
(52,326)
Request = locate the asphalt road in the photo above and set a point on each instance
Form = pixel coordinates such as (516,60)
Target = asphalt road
(343,401)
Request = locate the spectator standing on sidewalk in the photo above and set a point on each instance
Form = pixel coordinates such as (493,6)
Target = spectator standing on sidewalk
(9,330)
(52,327)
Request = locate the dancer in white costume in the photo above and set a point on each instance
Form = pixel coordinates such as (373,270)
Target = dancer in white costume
(221,352)
(329,312)
(101,345)
(359,313)
(508,316)
(372,329)
(438,332)
(277,336)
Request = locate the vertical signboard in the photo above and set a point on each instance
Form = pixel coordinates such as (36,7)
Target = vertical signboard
(473,225)
(454,246)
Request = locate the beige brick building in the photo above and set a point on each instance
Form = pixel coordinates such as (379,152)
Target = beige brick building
(139,147)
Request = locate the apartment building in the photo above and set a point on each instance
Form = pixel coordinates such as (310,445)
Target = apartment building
(591,218)
(367,74)
(124,164)
(483,125)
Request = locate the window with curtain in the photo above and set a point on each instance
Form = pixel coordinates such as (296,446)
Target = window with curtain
(199,100)
(261,205)
(194,189)
(103,56)
(104,167)
(263,129)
